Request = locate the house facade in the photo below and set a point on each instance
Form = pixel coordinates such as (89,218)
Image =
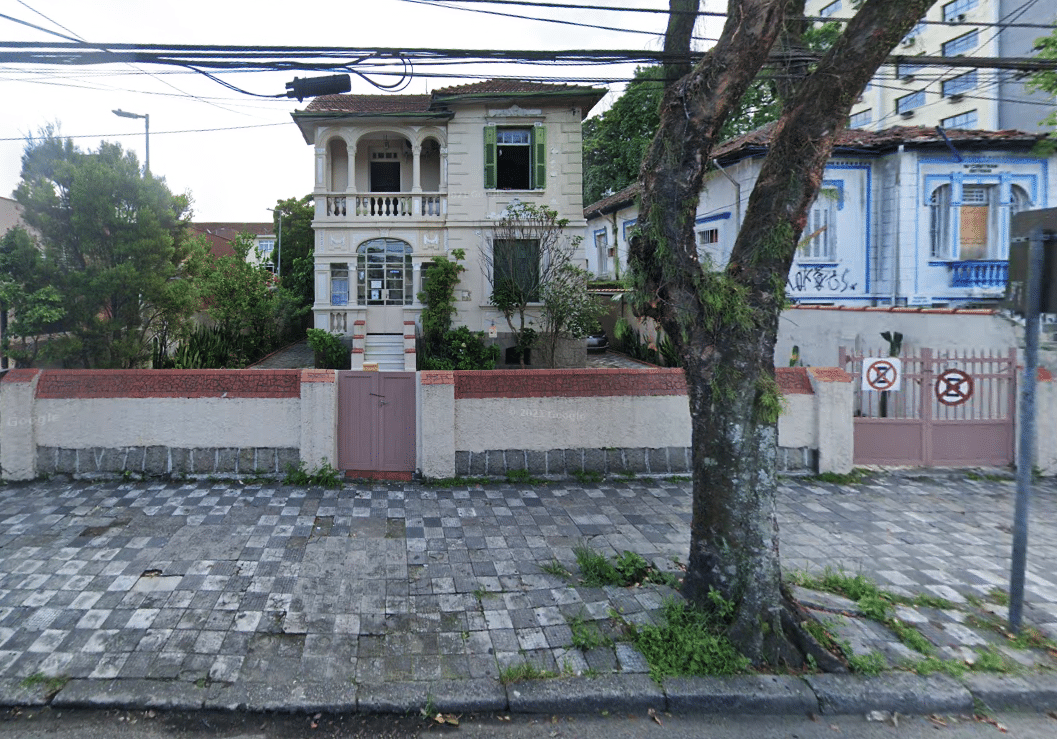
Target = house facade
(906,216)
(955,97)
(220,236)
(403,179)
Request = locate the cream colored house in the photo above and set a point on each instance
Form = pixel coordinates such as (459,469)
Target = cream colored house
(403,179)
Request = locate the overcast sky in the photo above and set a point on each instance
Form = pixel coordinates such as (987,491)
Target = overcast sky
(255,154)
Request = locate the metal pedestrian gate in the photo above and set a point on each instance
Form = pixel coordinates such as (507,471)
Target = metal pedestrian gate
(934,408)
(376,424)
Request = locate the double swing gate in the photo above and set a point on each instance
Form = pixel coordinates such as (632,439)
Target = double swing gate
(934,408)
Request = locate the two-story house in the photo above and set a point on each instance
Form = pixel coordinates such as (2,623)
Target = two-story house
(403,179)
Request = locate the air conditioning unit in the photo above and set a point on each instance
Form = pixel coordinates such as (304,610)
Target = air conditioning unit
(908,41)
(907,114)
(955,98)
(907,78)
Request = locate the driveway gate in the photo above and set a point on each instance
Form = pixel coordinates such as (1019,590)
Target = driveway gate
(951,409)
(376,424)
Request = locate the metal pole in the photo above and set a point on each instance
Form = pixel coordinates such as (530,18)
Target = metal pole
(1026,450)
(146,164)
(279,249)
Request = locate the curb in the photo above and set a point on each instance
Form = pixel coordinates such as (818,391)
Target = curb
(773,695)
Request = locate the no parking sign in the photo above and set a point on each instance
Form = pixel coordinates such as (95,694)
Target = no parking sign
(882,373)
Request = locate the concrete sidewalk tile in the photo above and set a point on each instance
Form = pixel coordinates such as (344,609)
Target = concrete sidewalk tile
(130,693)
(897,691)
(1013,692)
(586,695)
(749,694)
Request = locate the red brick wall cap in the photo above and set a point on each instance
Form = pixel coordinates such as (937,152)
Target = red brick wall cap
(62,384)
(829,374)
(20,375)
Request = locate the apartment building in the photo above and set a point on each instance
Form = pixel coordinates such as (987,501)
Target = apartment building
(911,94)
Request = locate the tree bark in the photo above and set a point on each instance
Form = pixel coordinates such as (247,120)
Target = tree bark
(724,324)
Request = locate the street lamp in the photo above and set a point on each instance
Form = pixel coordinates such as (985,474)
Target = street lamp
(146,120)
(278,245)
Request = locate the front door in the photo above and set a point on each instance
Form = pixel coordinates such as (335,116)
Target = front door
(376,424)
(385,283)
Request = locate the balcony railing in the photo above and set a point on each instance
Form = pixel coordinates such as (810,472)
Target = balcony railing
(403,206)
(991,274)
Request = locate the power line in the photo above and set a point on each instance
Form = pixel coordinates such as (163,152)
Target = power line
(158,133)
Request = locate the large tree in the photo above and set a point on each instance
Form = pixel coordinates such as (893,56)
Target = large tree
(616,141)
(724,322)
(296,251)
(114,243)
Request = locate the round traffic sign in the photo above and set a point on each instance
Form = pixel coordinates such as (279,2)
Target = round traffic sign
(882,374)
(953,387)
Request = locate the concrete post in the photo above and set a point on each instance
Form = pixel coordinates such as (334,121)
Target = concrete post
(18,448)
(319,418)
(1045,423)
(436,430)
(836,429)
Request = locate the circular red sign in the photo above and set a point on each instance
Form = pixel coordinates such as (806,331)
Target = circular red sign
(953,387)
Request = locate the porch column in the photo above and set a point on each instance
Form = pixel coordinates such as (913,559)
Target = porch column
(350,184)
(444,169)
(416,168)
(321,168)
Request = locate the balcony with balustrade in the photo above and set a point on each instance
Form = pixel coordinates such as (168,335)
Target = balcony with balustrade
(383,177)
(984,274)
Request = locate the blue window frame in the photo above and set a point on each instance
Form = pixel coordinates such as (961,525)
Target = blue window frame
(960,84)
(860,119)
(951,11)
(962,44)
(911,101)
(962,120)
(830,9)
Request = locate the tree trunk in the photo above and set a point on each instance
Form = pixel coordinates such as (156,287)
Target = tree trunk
(725,323)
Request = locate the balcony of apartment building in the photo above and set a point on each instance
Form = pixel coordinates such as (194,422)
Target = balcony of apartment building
(385,176)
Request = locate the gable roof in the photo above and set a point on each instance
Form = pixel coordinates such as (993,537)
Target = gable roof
(850,141)
(436,105)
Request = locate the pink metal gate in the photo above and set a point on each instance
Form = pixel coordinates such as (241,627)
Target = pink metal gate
(952,409)
(376,424)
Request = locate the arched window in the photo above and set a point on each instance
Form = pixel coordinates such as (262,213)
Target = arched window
(384,272)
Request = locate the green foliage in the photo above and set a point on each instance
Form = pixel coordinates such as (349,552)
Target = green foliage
(627,570)
(204,348)
(462,349)
(1046,81)
(328,348)
(931,665)
(324,475)
(556,568)
(523,477)
(438,294)
(855,477)
(297,251)
(689,642)
(587,477)
(25,291)
(587,635)
(628,341)
(115,243)
(523,671)
(457,482)
(569,310)
(769,401)
(998,596)
(873,663)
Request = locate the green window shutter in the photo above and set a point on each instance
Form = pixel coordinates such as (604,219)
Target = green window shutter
(539,157)
(489,158)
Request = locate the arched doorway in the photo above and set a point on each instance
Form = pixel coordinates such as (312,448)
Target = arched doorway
(384,283)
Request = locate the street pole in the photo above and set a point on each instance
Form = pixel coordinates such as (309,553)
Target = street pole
(1025,452)
(146,120)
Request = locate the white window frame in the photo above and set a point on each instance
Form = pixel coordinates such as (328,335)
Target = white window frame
(945,221)
(819,240)
(602,251)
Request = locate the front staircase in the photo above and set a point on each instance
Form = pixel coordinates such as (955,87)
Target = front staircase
(387,350)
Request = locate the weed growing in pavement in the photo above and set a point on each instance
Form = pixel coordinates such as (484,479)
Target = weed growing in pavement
(931,665)
(998,596)
(523,477)
(986,477)
(854,477)
(556,568)
(585,477)
(587,635)
(523,671)
(596,570)
(690,641)
(456,482)
(873,663)
(323,476)
(50,684)
(678,478)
